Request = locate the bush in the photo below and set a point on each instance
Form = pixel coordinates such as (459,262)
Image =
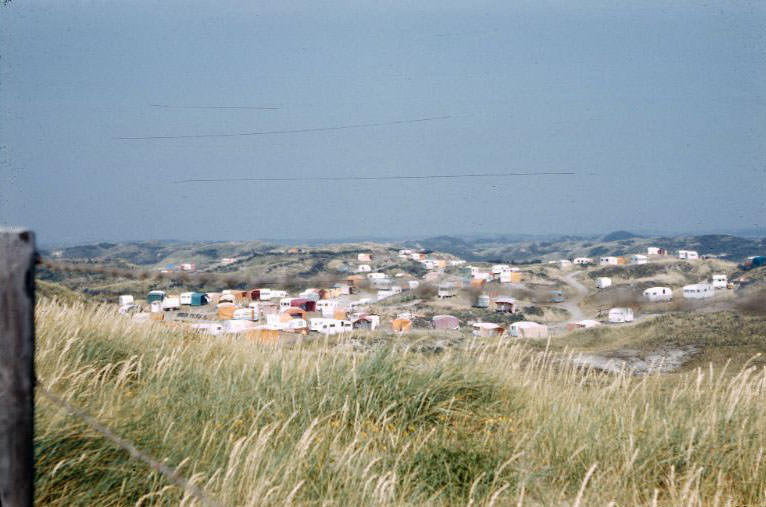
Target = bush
(533,310)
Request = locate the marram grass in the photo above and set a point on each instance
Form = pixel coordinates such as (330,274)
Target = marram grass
(322,424)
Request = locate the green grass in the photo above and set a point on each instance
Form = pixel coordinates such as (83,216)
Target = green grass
(322,423)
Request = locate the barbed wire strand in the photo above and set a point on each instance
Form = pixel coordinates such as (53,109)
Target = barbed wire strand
(377,178)
(288,131)
(171,474)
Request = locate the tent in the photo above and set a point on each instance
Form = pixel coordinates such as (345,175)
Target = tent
(226,310)
(527,329)
(505,304)
(401,325)
(268,308)
(126,300)
(445,322)
(485,329)
(245,314)
(293,312)
(155,295)
(212,328)
(263,334)
(369,322)
(304,303)
(199,299)
(238,326)
(194,298)
(582,324)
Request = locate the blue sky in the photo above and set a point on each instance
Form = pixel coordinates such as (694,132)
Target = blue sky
(658,109)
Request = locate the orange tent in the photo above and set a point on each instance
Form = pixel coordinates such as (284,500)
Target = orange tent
(478,283)
(226,311)
(293,312)
(401,325)
(266,336)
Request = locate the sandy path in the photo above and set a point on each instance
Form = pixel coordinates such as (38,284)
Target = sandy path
(572,305)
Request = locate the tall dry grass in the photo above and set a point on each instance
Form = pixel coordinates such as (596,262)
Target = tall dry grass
(321,424)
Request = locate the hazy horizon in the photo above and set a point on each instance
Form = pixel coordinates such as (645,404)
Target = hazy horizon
(657,109)
(510,236)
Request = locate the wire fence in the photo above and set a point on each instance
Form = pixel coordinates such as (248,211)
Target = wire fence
(169,473)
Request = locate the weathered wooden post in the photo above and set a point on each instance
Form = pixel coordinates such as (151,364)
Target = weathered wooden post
(17,335)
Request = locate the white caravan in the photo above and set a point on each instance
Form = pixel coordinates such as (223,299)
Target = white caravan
(620,315)
(698,291)
(330,326)
(720,281)
(655,294)
(688,255)
(603,282)
(171,303)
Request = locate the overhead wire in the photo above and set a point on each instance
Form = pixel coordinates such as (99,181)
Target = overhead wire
(287,131)
(373,178)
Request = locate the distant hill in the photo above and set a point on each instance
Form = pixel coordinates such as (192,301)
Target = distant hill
(448,244)
(504,249)
(157,253)
(619,235)
(616,243)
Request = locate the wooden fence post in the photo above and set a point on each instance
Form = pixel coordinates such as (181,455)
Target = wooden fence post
(17,335)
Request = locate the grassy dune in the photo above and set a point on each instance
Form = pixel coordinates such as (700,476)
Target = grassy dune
(718,338)
(318,424)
